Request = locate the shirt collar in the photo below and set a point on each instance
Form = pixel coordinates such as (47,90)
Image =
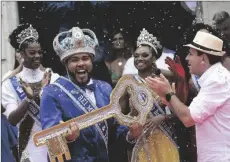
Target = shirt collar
(90,82)
(31,75)
(208,74)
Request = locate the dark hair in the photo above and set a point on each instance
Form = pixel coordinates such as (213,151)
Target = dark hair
(14,36)
(212,58)
(127,50)
(187,38)
(117,31)
(221,16)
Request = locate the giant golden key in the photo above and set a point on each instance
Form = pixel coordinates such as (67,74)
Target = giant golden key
(140,95)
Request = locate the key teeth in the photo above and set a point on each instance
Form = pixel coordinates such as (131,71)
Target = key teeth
(67,156)
(53,159)
(60,158)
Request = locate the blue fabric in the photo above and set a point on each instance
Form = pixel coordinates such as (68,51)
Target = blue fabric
(90,87)
(8,140)
(89,147)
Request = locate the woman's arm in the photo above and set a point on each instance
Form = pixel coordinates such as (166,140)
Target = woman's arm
(16,115)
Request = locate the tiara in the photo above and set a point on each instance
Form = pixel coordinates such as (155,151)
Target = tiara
(148,39)
(75,41)
(29,32)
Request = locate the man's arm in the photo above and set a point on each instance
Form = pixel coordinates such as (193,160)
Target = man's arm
(181,111)
(51,115)
(162,87)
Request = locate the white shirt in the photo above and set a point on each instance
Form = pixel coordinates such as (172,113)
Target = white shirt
(90,93)
(10,102)
(210,109)
(6,75)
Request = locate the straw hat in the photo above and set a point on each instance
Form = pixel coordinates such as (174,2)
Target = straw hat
(207,43)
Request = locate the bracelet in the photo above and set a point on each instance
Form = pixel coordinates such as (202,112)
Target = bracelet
(127,139)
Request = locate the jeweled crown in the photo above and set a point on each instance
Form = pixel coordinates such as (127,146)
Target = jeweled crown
(148,39)
(75,41)
(27,33)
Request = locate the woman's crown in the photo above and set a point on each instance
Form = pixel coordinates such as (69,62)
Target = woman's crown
(148,39)
(27,33)
(75,41)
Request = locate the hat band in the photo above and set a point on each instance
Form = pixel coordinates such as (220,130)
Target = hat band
(203,48)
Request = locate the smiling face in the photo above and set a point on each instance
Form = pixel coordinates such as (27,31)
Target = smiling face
(118,41)
(32,56)
(144,58)
(79,67)
(195,62)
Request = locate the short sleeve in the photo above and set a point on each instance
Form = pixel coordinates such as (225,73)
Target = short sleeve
(9,98)
(129,67)
(209,100)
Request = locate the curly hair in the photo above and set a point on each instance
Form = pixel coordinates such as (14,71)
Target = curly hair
(14,36)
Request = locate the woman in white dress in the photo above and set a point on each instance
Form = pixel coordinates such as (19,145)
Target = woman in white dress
(22,91)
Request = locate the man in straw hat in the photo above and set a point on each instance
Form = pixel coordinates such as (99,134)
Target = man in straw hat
(77,94)
(209,110)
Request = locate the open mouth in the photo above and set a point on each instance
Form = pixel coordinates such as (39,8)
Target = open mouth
(37,62)
(81,72)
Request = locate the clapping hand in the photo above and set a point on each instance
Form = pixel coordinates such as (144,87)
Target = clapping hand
(32,94)
(46,78)
(161,86)
(176,67)
(27,89)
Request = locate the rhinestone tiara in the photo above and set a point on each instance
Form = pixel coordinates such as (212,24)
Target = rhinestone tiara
(148,39)
(27,33)
(75,41)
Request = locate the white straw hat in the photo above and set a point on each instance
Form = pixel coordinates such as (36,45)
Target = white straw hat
(207,43)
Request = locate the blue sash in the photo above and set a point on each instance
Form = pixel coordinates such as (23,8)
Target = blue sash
(82,102)
(156,110)
(195,82)
(33,108)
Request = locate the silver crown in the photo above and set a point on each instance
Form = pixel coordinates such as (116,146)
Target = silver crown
(28,33)
(75,41)
(148,39)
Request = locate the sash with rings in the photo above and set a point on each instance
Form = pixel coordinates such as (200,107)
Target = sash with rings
(82,102)
(164,126)
(33,108)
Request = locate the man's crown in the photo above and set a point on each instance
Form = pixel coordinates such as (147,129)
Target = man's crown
(28,33)
(75,41)
(148,39)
